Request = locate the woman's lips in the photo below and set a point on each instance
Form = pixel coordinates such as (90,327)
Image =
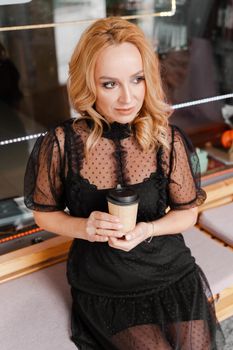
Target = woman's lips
(125,110)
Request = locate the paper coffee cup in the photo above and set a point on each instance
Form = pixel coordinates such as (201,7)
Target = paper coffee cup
(123,203)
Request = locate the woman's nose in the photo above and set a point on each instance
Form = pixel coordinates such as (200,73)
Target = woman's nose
(125,95)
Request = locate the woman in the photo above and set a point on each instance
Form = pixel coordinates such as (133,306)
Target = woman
(140,290)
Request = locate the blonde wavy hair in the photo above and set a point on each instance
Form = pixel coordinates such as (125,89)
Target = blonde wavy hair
(150,124)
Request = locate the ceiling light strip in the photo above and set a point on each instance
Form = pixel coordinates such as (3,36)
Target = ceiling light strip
(87,21)
(203,100)
(20,139)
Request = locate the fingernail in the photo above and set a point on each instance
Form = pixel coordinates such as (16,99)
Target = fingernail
(120,235)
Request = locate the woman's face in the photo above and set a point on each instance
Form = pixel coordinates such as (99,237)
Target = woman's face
(120,83)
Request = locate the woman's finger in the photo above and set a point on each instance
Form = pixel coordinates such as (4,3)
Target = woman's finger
(132,238)
(110,233)
(102,224)
(99,215)
(96,238)
(100,238)
(121,244)
(139,231)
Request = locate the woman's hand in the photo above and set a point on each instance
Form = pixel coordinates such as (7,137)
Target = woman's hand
(141,232)
(101,226)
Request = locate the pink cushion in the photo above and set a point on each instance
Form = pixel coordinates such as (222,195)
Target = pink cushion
(219,222)
(36,310)
(215,260)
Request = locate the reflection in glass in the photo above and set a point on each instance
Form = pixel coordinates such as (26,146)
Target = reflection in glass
(12,158)
(36,12)
(130,7)
(64,12)
(195,48)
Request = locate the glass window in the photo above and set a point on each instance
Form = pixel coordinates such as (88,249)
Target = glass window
(194,42)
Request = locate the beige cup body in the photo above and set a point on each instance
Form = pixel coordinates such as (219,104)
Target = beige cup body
(126,213)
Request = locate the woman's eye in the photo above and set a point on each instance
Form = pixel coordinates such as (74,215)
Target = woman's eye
(109,84)
(138,79)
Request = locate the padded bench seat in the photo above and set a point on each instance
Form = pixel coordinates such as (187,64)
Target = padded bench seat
(218,222)
(35,309)
(215,260)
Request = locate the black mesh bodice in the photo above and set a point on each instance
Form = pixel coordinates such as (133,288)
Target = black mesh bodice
(60,176)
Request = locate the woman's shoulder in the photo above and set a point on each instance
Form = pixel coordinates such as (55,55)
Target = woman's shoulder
(180,139)
(175,133)
(68,127)
(176,138)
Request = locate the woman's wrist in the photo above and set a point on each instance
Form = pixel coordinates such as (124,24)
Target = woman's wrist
(151,231)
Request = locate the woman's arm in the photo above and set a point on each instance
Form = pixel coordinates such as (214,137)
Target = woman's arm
(173,222)
(97,228)
(61,223)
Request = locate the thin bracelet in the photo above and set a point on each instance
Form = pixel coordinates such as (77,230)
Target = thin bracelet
(148,240)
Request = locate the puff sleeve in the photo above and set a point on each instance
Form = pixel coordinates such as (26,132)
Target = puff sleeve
(44,176)
(184,178)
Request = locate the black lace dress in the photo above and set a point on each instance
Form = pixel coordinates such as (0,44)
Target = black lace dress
(154,296)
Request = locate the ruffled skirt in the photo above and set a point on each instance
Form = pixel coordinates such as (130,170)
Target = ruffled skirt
(180,316)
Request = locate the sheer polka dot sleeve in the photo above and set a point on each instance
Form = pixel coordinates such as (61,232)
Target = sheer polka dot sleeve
(43,182)
(184,178)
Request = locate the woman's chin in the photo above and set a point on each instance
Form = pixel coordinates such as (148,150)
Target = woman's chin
(123,119)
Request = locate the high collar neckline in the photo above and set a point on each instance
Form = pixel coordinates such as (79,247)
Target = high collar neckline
(115,130)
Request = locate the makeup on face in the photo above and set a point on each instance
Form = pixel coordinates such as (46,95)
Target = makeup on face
(120,83)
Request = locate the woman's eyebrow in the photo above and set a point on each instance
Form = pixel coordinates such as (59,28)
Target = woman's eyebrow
(112,78)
